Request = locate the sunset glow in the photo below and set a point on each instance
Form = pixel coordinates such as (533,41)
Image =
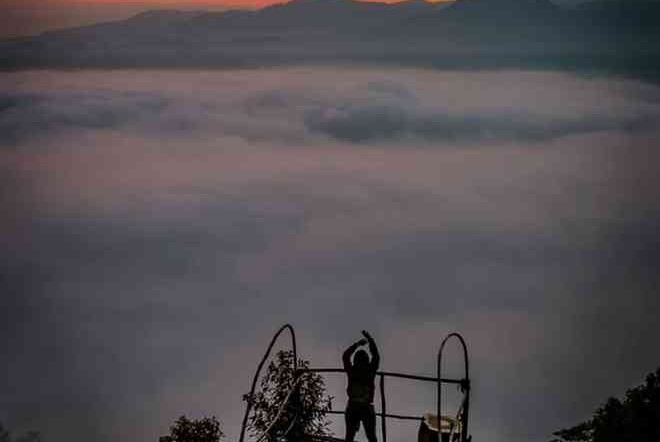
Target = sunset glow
(27,17)
(179,4)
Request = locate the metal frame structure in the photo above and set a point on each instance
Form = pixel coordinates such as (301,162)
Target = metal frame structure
(464,383)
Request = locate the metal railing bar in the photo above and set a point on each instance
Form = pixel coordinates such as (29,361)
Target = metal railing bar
(392,374)
(387,415)
(420,378)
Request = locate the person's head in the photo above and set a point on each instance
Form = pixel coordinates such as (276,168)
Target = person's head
(361,358)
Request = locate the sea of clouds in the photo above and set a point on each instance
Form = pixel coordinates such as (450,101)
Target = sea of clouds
(158,226)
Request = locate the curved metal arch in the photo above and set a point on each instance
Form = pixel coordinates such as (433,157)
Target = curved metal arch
(465,385)
(248,407)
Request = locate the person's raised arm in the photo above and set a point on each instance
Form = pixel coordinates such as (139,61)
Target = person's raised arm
(373,349)
(346,357)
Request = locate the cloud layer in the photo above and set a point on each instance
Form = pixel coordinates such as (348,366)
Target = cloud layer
(160,225)
(385,109)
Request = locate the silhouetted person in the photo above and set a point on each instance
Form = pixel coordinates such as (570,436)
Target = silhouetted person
(361,376)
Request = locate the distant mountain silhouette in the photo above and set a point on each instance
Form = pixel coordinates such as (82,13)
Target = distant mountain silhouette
(310,15)
(618,17)
(510,10)
(618,33)
(494,22)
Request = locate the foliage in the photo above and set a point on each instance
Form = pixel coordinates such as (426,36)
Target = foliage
(186,430)
(304,413)
(635,418)
(5,436)
(30,436)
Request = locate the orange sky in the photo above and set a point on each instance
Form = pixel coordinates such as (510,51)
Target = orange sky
(180,4)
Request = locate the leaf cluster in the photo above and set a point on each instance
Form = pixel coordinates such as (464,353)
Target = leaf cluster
(636,418)
(30,436)
(303,414)
(187,430)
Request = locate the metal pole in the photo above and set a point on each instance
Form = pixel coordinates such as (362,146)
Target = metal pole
(248,407)
(383,407)
(465,385)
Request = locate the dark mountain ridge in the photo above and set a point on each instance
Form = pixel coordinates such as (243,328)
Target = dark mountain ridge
(501,32)
(514,9)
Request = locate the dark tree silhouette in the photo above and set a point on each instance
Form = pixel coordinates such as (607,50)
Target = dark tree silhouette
(305,411)
(30,436)
(5,436)
(635,418)
(186,430)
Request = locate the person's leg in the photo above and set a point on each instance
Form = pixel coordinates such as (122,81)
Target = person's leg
(352,419)
(369,423)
